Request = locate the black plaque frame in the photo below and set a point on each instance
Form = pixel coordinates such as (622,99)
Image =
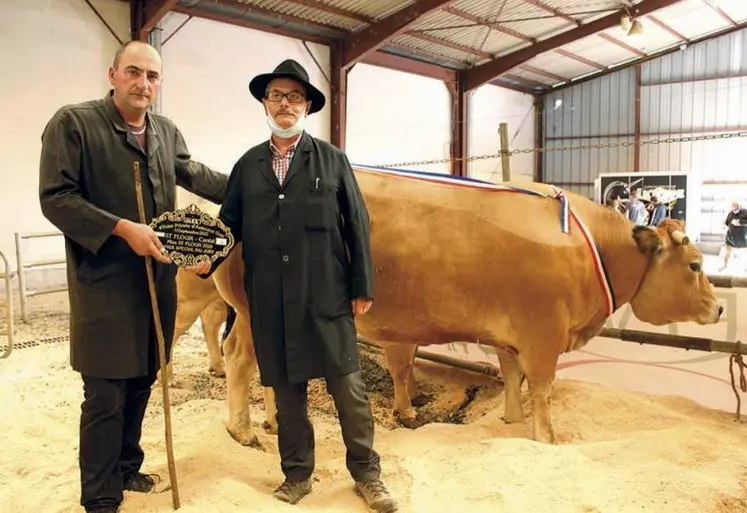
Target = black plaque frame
(185,235)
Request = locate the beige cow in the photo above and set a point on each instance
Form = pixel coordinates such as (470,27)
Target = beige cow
(476,263)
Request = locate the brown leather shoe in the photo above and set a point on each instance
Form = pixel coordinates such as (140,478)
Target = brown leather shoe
(293,491)
(377,496)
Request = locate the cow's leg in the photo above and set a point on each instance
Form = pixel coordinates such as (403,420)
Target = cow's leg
(187,311)
(399,359)
(416,398)
(271,421)
(539,368)
(212,318)
(512,377)
(240,367)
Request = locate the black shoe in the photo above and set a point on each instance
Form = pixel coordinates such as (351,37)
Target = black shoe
(143,483)
(106,509)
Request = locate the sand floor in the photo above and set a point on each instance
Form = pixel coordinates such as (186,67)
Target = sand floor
(618,451)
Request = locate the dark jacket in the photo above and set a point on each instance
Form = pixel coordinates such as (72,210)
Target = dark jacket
(736,236)
(86,184)
(298,275)
(658,214)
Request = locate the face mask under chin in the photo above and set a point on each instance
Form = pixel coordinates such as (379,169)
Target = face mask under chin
(286,133)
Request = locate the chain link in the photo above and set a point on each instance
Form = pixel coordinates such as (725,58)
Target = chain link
(624,144)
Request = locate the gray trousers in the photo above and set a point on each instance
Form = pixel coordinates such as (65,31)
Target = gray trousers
(296,434)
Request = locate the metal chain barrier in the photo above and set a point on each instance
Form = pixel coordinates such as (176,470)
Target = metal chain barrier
(598,146)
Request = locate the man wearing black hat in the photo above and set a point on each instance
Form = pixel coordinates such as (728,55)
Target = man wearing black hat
(295,204)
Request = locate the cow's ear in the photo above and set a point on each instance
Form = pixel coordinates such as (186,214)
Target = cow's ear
(647,240)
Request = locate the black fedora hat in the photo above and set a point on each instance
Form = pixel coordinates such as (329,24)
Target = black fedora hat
(288,69)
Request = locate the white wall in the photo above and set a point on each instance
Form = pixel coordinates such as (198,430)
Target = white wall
(64,52)
(53,52)
(489,107)
(396,117)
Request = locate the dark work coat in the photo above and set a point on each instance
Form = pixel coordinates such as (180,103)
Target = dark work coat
(86,184)
(298,276)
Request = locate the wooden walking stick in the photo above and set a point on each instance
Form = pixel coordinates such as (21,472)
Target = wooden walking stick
(161,347)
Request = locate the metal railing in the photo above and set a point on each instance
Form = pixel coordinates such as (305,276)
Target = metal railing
(7,275)
(38,264)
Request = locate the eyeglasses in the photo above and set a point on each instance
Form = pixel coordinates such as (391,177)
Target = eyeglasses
(277,96)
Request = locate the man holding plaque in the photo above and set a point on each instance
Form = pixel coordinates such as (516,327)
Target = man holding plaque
(89,155)
(294,203)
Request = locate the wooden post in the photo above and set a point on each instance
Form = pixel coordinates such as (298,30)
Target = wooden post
(505,157)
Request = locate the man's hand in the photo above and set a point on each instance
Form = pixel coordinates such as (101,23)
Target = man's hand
(141,239)
(361,305)
(201,268)
(735,222)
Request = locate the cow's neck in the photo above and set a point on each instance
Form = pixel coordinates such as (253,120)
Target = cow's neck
(626,265)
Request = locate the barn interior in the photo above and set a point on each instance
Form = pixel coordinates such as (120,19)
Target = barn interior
(597,97)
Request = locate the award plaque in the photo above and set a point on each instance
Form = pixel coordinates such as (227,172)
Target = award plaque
(191,236)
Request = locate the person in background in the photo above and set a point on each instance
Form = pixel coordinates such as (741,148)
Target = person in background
(87,190)
(736,231)
(658,213)
(636,209)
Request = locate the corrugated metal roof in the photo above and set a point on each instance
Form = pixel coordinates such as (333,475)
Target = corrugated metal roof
(466,33)
(470,36)
(316,15)
(437,49)
(737,9)
(562,65)
(499,43)
(371,8)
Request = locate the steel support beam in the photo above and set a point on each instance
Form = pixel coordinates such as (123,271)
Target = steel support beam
(637,121)
(484,73)
(106,24)
(459,127)
(539,132)
(240,22)
(359,44)
(396,62)
(155,10)
(154,38)
(145,15)
(339,103)
(137,15)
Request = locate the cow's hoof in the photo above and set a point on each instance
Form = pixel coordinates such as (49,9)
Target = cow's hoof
(513,419)
(269,428)
(420,400)
(247,440)
(217,373)
(409,422)
(545,438)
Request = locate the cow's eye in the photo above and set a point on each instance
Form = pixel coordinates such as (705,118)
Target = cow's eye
(695,266)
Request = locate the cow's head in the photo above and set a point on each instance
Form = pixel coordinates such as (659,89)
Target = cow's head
(674,288)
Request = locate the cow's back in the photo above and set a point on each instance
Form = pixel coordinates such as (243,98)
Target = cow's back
(456,262)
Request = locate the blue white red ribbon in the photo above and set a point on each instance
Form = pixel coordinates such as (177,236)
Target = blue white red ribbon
(566,212)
